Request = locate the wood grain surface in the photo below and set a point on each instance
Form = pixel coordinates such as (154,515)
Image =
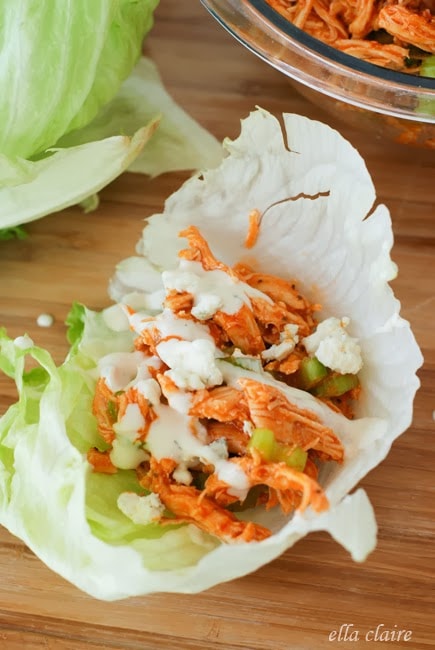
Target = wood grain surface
(297,601)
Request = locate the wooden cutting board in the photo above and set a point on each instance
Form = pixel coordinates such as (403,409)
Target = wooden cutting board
(301,600)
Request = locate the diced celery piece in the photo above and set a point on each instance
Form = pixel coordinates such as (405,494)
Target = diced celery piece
(296,458)
(263,440)
(428,67)
(310,372)
(335,385)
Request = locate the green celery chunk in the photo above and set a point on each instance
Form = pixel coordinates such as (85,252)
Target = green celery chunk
(294,458)
(310,372)
(428,67)
(264,441)
(335,385)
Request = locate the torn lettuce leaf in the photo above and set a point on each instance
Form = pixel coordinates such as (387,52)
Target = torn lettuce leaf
(44,477)
(142,130)
(61,63)
(69,176)
(180,142)
(16,232)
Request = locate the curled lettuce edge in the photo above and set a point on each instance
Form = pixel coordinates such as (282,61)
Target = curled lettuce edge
(180,142)
(69,176)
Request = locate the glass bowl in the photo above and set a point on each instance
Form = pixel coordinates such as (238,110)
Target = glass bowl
(388,103)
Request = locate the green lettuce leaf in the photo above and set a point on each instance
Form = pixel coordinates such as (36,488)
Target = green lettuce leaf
(68,176)
(16,232)
(69,125)
(86,160)
(61,62)
(179,143)
(45,477)
(75,322)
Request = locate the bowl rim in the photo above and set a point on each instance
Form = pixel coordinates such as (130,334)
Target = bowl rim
(347,60)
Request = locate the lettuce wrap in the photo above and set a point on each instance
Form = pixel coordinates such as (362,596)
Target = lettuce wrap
(313,193)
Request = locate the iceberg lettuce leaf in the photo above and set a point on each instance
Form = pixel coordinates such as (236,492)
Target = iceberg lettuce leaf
(179,143)
(142,130)
(45,477)
(61,63)
(68,176)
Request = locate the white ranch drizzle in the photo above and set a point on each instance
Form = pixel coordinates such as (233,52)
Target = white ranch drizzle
(131,423)
(176,435)
(119,368)
(228,294)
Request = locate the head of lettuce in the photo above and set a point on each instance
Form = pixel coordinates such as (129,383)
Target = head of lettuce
(77,104)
